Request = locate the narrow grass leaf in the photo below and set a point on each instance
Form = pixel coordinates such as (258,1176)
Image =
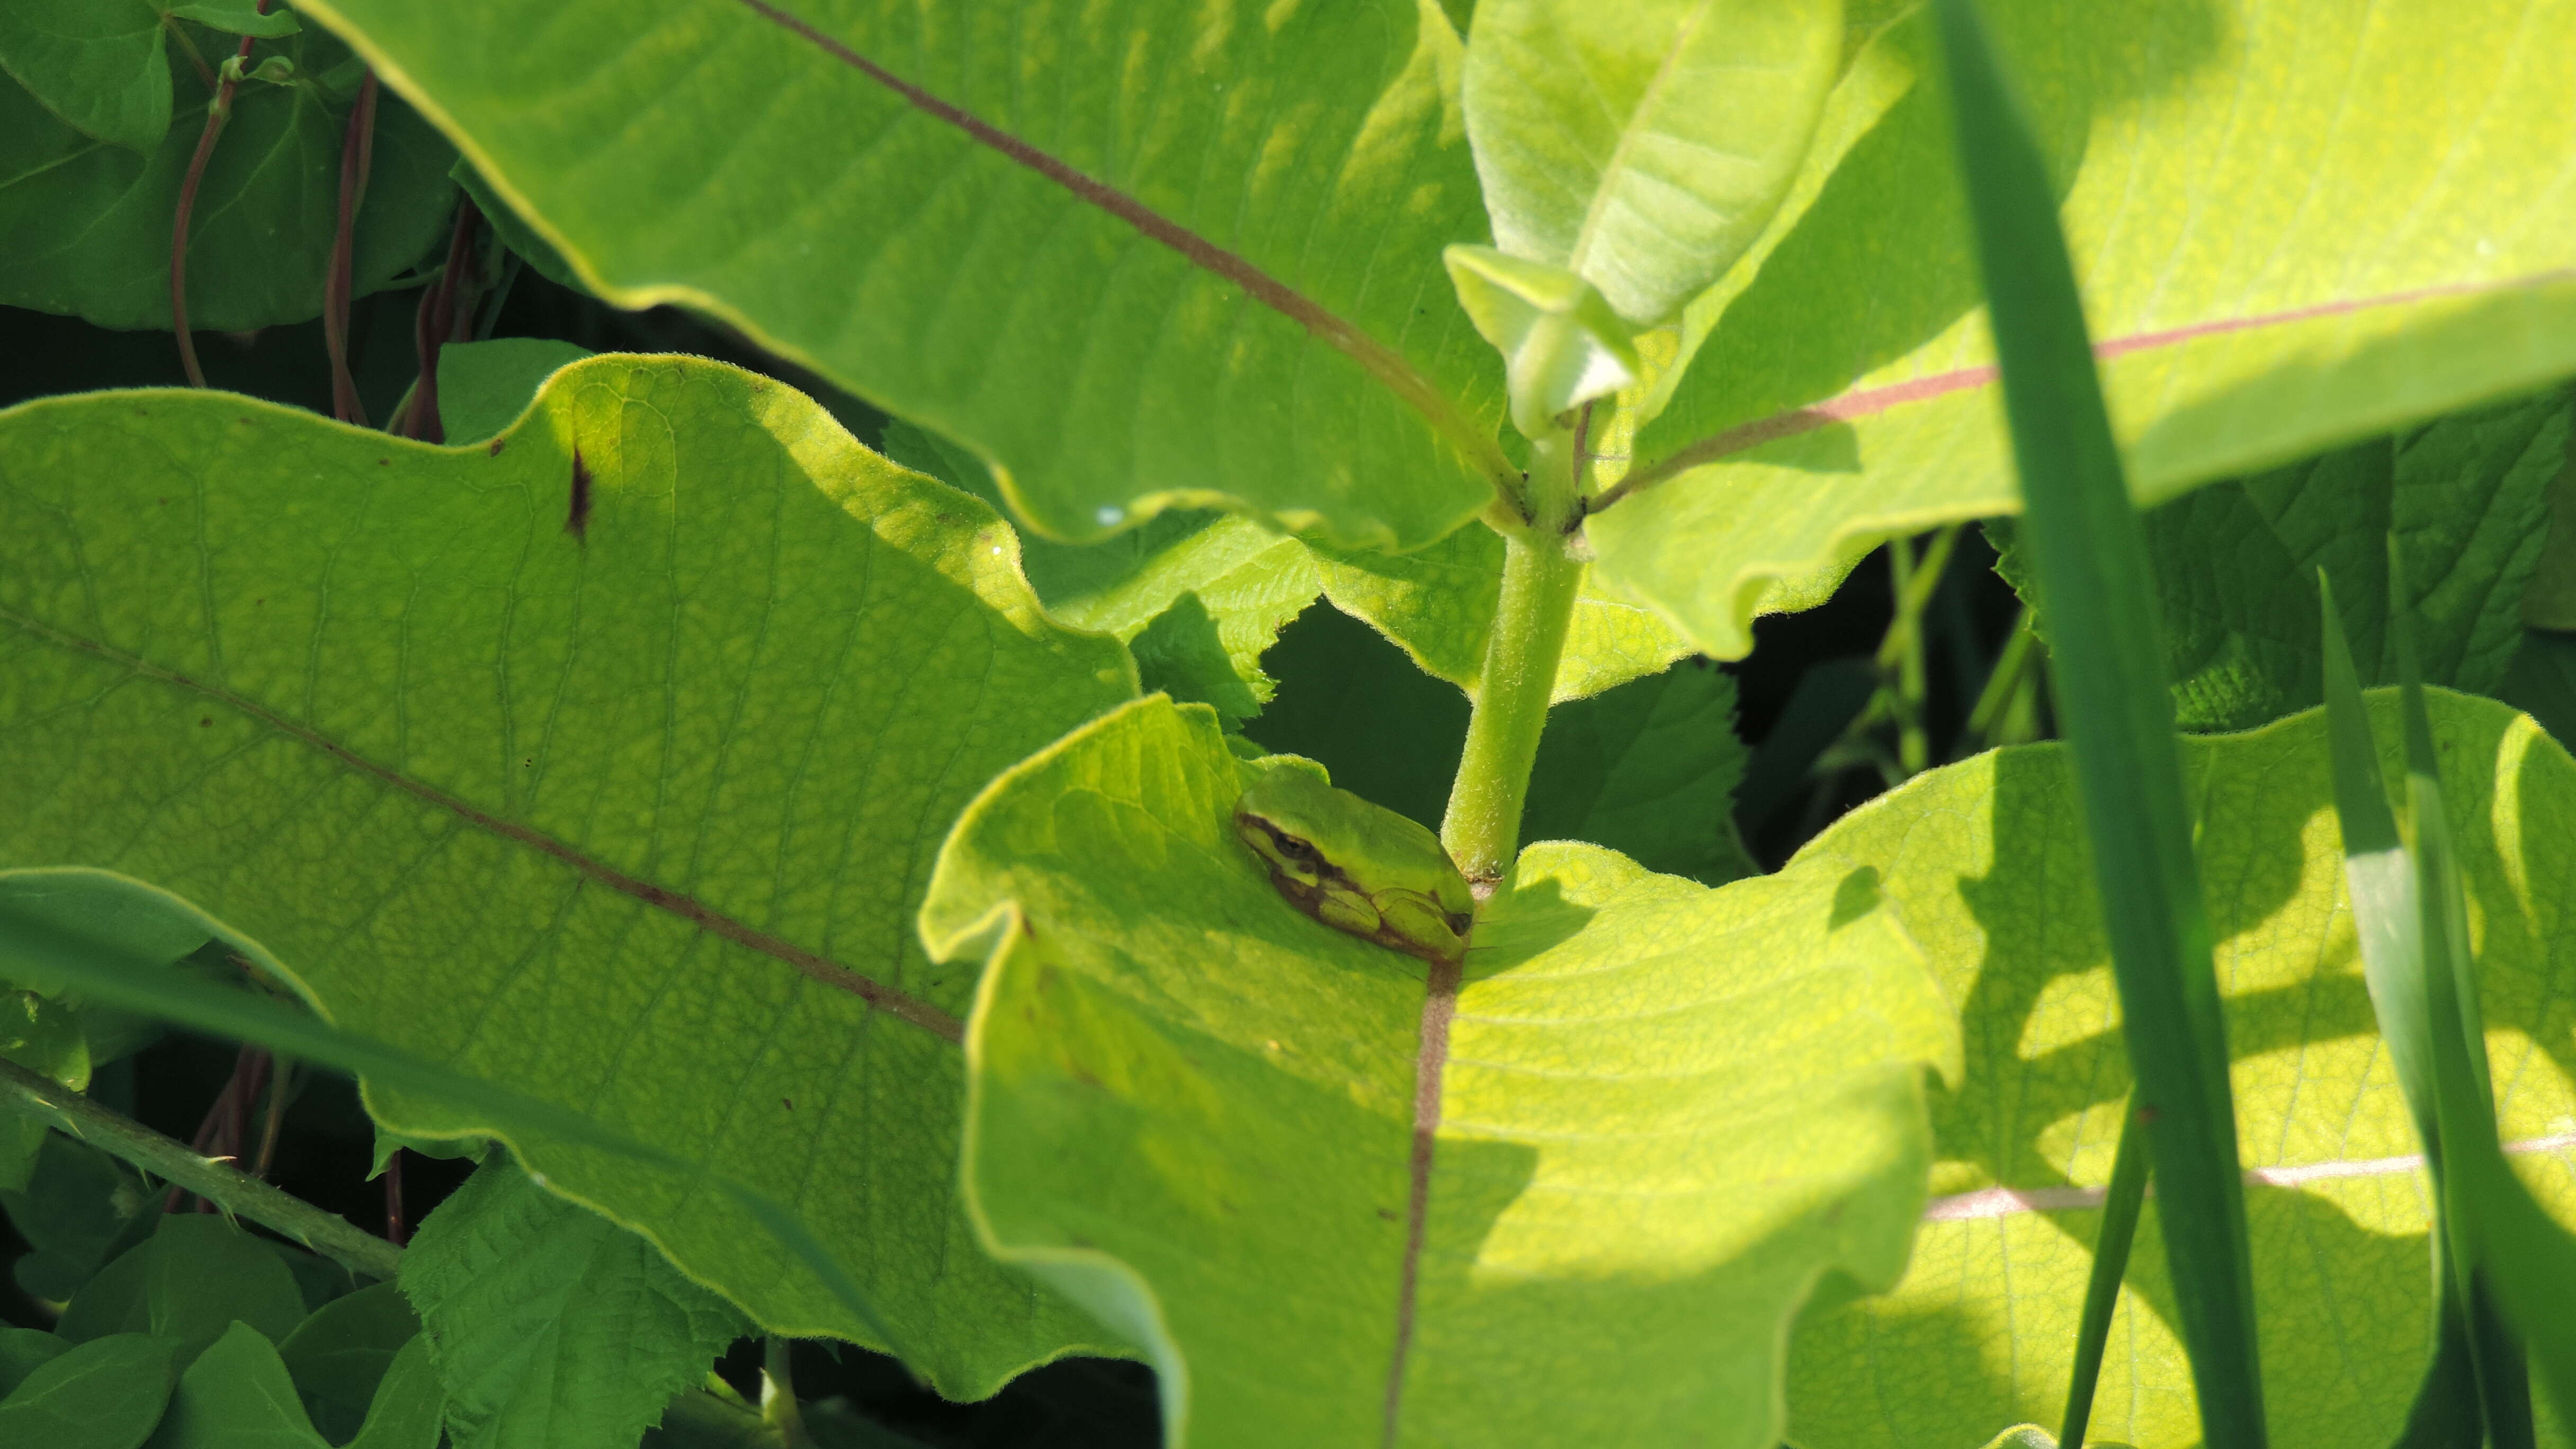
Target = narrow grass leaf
(2091,557)
(2463,1093)
(2388,922)
(2121,1205)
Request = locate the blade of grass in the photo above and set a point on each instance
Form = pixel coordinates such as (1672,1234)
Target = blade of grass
(41,950)
(2115,710)
(2120,1208)
(2463,1094)
(2380,877)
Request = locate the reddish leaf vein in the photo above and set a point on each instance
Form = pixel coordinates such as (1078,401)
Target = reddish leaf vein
(1382,362)
(1869,402)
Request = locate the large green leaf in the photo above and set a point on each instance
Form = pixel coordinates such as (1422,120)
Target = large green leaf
(23,1351)
(1986,862)
(195,1277)
(1643,146)
(80,1209)
(103,66)
(1168,255)
(237,1396)
(1569,1201)
(85,224)
(552,1327)
(338,1356)
(409,1409)
(2294,228)
(105,1394)
(673,776)
(100,65)
(1649,770)
(2236,562)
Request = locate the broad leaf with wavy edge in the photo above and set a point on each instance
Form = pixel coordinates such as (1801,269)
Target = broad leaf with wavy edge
(1159,254)
(2295,227)
(1985,862)
(1346,1198)
(614,779)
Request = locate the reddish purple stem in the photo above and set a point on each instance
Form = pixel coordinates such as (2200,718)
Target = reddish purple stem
(357,149)
(446,315)
(218,112)
(397,1232)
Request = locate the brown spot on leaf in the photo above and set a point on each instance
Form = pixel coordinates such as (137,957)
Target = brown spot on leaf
(384,462)
(577,517)
(205,720)
(495,449)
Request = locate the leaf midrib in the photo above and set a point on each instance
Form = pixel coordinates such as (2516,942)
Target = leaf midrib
(813,965)
(1381,361)
(1870,401)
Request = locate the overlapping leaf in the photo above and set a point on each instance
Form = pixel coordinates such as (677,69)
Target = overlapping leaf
(552,1327)
(1174,255)
(1985,861)
(615,780)
(2236,562)
(1662,1112)
(2273,265)
(85,223)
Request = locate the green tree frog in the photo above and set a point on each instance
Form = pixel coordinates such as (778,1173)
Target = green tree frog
(1355,866)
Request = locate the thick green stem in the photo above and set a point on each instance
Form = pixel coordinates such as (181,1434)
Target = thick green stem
(778,1407)
(1482,828)
(238,1193)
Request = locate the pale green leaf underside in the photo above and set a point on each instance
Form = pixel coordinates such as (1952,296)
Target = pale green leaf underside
(85,225)
(1986,862)
(2295,227)
(1666,1112)
(611,817)
(707,153)
(1642,146)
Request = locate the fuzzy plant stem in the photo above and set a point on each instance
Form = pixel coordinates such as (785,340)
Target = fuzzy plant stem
(238,1193)
(1540,576)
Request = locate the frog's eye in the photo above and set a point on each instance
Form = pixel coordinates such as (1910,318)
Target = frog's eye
(1294,849)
